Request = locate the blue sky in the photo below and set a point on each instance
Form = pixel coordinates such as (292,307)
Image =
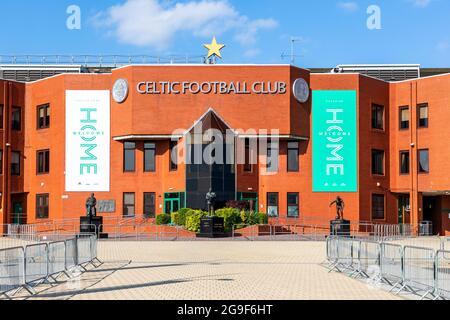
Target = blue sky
(255,31)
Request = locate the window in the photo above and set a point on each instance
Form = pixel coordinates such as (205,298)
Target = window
(43,162)
(173,147)
(16,118)
(129,157)
(377,117)
(43,116)
(129,204)
(404,118)
(378,206)
(272,204)
(293,205)
(15,163)
(42,203)
(1,116)
(424,161)
(1,161)
(149,157)
(272,156)
(378,162)
(149,204)
(422,114)
(293,153)
(248,167)
(404,162)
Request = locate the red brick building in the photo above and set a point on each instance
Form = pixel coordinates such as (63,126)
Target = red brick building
(401,133)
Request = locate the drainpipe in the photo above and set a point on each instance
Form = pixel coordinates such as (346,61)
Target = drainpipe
(7,97)
(4,102)
(415,213)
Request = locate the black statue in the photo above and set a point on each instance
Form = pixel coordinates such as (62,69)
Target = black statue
(91,204)
(211,200)
(340,205)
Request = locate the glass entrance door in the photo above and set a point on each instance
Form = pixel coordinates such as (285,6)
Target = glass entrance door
(171,206)
(18,212)
(403,209)
(251,197)
(173,202)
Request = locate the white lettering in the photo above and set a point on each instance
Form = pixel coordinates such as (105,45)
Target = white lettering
(335,168)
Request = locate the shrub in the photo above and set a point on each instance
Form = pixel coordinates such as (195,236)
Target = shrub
(253,218)
(174,218)
(263,218)
(193,218)
(181,218)
(241,205)
(231,217)
(245,217)
(163,219)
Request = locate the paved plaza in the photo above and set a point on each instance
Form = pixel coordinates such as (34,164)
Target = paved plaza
(219,270)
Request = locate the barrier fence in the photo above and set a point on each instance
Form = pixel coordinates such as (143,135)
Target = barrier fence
(319,232)
(132,230)
(417,270)
(28,266)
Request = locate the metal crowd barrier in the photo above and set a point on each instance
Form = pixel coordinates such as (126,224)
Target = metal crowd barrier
(445,243)
(418,266)
(391,264)
(83,250)
(36,263)
(369,258)
(26,267)
(442,286)
(417,270)
(71,254)
(426,228)
(11,270)
(56,258)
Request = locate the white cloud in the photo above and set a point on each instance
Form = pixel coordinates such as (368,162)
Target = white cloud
(251,53)
(443,46)
(348,6)
(155,23)
(420,3)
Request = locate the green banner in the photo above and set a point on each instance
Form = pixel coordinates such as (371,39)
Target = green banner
(334,134)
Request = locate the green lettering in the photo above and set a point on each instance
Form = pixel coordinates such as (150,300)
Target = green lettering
(88,167)
(88,112)
(90,156)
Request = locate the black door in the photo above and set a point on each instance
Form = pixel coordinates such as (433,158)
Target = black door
(431,208)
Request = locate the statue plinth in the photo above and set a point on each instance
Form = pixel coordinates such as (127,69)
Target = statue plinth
(212,227)
(340,227)
(91,225)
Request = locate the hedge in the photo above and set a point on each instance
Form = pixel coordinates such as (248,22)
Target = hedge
(231,217)
(163,219)
(181,218)
(193,218)
(253,218)
(190,219)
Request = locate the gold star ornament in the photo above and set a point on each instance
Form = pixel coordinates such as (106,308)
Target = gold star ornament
(214,48)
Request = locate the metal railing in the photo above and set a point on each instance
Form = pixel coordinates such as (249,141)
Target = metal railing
(416,270)
(426,228)
(141,228)
(99,60)
(319,232)
(28,266)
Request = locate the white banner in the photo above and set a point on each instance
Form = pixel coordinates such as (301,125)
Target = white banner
(88,139)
